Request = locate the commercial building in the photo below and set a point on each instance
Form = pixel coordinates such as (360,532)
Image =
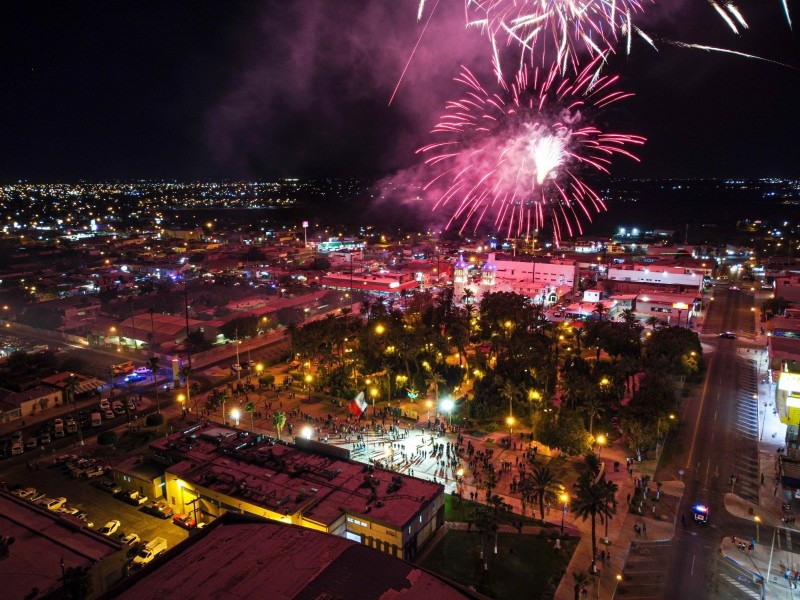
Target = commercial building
(240,556)
(213,469)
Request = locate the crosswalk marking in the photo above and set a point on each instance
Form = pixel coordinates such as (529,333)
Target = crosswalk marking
(741,586)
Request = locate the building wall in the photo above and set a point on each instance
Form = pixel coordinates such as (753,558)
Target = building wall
(554,274)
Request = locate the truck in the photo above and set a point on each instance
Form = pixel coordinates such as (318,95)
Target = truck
(152,549)
(123,368)
(133,498)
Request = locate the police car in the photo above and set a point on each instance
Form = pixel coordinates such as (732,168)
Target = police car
(700,513)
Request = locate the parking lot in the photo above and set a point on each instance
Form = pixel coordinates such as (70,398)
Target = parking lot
(99,505)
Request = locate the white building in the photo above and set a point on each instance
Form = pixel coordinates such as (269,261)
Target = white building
(649,276)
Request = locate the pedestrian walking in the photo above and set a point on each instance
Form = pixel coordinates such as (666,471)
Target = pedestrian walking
(644,528)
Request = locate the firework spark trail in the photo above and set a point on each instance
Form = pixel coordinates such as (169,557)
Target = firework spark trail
(414,50)
(517,156)
(555,31)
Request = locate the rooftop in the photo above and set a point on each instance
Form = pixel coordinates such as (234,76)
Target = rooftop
(241,557)
(285,478)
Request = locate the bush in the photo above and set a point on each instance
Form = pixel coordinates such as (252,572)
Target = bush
(107,438)
(154,420)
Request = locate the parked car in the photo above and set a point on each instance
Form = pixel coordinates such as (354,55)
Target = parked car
(130,539)
(728,335)
(143,370)
(131,405)
(72,426)
(109,486)
(97,419)
(133,498)
(24,492)
(36,497)
(58,428)
(185,521)
(135,377)
(67,510)
(52,503)
(109,414)
(31,444)
(110,528)
(95,471)
(159,509)
(105,404)
(17,448)
(118,408)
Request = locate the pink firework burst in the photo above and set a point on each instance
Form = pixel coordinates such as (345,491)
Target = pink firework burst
(517,156)
(555,31)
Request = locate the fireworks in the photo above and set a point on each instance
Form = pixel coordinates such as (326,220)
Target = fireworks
(517,156)
(555,31)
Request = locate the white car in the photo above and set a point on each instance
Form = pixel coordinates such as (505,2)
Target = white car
(130,539)
(52,503)
(143,371)
(110,528)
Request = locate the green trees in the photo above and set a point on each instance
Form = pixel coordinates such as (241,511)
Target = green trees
(544,487)
(592,500)
(250,408)
(278,421)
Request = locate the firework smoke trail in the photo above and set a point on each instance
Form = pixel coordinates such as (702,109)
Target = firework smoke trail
(517,155)
(555,31)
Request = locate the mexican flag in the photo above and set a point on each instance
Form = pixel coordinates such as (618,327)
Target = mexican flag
(357,405)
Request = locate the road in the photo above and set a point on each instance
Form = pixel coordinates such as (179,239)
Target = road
(718,439)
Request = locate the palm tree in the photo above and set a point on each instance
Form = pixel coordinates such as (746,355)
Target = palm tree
(594,407)
(278,421)
(600,309)
(77,582)
(653,322)
(581,579)
(152,364)
(629,317)
(186,372)
(250,407)
(70,387)
(435,379)
(486,524)
(509,392)
(611,497)
(544,486)
(591,499)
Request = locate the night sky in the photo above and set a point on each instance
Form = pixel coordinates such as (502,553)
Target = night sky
(209,90)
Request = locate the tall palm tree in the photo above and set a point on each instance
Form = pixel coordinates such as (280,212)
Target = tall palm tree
(581,579)
(509,392)
(186,373)
(485,522)
(250,407)
(653,322)
(152,364)
(593,407)
(591,500)
(278,421)
(435,379)
(600,309)
(544,486)
(611,498)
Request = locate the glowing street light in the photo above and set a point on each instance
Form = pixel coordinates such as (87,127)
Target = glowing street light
(564,500)
(307,432)
(309,379)
(510,423)
(373,392)
(236,414)
(757,519)
(601,440)
(429,404)
(447,405)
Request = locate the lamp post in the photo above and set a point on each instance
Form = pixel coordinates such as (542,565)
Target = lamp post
(182,399)
(510,423)
(616,585)
(601,440)
(447,406)
(757,519)
(374,394)
(564,500)
(309,379)
(236,415)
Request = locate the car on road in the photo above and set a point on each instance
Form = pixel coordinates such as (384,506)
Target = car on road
(45,438)
(700,513)
(109,486)
(143,371)
(17,448)
(728,335)
(67,510)
(52,503)
(31,444)
(108,415)
(72,425)
(135,377)
(130,539)
(110,528)
(105,404)
(94,471)
(118,408)
(236,367)
(131,497)
(185,521)
(58,428)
